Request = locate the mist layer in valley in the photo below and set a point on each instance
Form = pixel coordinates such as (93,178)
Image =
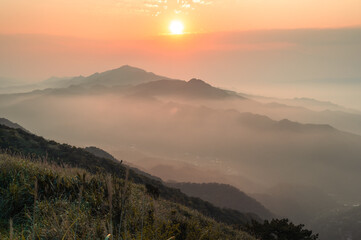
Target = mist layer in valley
(299,161)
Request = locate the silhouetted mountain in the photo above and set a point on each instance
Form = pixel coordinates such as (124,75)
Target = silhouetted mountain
(100,153)
(223,195)
(123,76)
(194,88)
(288,125)
(103,154)
(10,124)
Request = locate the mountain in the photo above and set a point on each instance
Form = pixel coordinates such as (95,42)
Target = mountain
(8,123)
(122,76)
(19,141)
(193,89)
(125,75)
(103,154)
(306,110)
(223,195)
(234,142)
(100,153)
(302,102)
(247,144)
(71,203)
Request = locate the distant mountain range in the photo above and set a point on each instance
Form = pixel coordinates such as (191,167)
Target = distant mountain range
(186,128)
(140,83)
(185,117)
(123,76)
(193,89)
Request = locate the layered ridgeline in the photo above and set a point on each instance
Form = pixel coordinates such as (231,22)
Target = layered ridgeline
(190,131)
(123,76)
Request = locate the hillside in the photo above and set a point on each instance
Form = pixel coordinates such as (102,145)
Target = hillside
(41,200)
(10,124)
(99,153)
(21,142)
(223,195)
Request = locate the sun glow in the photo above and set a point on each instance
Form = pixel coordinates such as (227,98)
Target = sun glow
(176,27)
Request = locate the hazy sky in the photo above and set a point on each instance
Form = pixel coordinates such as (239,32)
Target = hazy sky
(301,48)
(117,19)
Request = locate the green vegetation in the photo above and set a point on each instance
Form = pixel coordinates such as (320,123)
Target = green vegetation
(280,229)
(47,201)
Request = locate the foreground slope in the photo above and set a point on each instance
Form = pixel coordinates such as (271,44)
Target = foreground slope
(41,200)
(18,141)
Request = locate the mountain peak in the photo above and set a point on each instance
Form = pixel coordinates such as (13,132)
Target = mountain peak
(130,68)
(198,82)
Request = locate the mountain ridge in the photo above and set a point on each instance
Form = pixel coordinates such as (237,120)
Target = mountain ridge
(223,195)
(10,124)
(194,88)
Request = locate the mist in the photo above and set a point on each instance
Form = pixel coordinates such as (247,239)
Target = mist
(245,145)
(276,63)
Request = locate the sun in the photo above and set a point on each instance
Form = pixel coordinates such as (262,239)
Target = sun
(176,27)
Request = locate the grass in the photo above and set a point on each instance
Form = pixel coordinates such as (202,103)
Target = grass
(40,200)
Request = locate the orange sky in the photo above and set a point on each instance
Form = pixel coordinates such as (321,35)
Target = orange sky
(258,46)
(119,19)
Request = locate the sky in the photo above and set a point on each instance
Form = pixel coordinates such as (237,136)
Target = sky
(119,19)
(300,48)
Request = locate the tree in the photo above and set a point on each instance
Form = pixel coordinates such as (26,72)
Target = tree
(280,229)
